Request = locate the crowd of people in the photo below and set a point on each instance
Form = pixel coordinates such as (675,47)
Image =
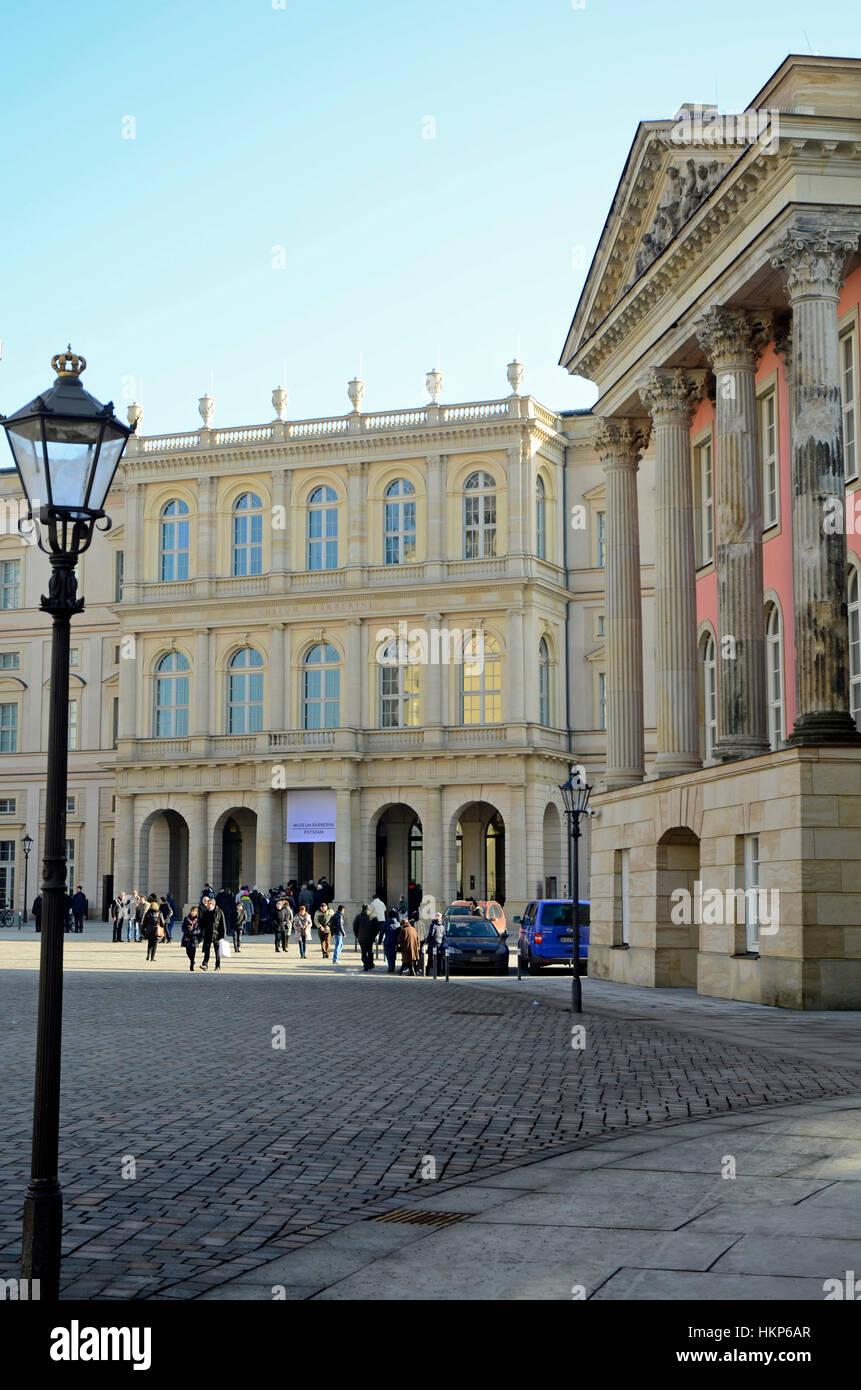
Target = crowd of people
(217,924)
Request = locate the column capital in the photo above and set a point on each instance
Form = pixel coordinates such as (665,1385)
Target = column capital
(732,337)
(620,442)
(671,393)
(813,261)
(357,467)
(783,340)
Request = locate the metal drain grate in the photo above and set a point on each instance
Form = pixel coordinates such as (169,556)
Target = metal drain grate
(408,1217)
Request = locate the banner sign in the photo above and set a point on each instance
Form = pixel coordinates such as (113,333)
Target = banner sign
(310,816)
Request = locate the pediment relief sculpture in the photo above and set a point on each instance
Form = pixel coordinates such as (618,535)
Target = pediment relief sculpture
(687,187)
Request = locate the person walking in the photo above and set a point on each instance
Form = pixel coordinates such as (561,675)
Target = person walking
(306,897)
(167,914)
(323,922)
(171,902)
(377,908)
(391,931)
(239,923)
(434,942)
(152,926)
(367,935)
(227,902)
(36,910)
(213,930)
(302,925)
(408,942)
(190,931)
(140,909)
(283,918)
(69,916)
(80,907)
(402,906)
(115,912)
(339,931)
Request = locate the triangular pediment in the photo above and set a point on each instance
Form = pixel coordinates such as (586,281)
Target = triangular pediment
(671,172)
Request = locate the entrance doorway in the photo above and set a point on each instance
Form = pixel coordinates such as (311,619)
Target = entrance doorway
(231,855)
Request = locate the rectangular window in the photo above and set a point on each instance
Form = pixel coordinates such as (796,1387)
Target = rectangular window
(751,897)
(599,625)
(117,654)
(602,700)
(848,391)
(600,522)
(10,661)
(70,805)
(7,873)
(705,483)
(75,656)
(8,728)
(73,724)
(115,721)
(119,562)
(70,855)
(768,455)
(7,805)
(10,584)
(625,865)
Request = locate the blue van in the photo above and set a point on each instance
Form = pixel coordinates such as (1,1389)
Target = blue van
(546,934)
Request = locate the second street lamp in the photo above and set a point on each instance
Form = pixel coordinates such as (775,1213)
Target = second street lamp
(575,798)
(26,845)
(66,446)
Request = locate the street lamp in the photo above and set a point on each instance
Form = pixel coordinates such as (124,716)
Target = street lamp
(26,845)
(66,446)
(575,798)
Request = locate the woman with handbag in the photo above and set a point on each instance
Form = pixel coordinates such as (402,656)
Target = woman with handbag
(152,926)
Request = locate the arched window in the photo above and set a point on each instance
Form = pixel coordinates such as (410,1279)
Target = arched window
(400,522)
(479,516)
(399,689)
(854,647)
(540,520)
(173,541)
(709,668)
(481,681)
(774,675)
(323,529)
(248,534)
(170,717)
(543,682)
(245,692)
(321,688)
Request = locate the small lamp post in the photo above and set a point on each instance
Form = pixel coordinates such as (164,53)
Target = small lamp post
(575,798)
(26,845)
(66,446)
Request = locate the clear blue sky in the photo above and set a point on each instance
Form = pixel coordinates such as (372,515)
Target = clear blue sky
(301,127)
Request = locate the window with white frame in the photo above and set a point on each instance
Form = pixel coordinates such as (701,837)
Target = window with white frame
(10,661)
(625,868)
(323,529)
(119,564)
(70,857)
(73,724)
(321,688)
(543,682)
(70,805)
(774,675)
(768,449)
(399,690)
(399,521)
(173,541)
(170,718)
(709,688)
(540,519)
(705,482)
(247,553)
(601,538)
(115,721)
(848,392)
(10,583)
(602,700)
(479,516)
(74,656)
(245,692)
(481,682)
(8,727)
(751,894)
(854,646)
(7,873)
(7,805)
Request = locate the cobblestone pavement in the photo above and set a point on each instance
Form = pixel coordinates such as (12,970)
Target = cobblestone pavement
(244,1151)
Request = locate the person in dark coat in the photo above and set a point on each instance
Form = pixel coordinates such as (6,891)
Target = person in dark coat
(36,910)
(227,902)
(391,931)
(434,942)
(151,923)
(68,914)
(213,929)
(283,915)
(167,916)
(305,898)
(366,932)
(239,923)
(414,898)
(79,908)
(115,912)
(171,902)
(190,930)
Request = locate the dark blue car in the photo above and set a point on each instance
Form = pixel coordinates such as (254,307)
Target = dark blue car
(546,934)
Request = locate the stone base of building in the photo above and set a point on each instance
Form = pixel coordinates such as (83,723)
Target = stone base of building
(691,854)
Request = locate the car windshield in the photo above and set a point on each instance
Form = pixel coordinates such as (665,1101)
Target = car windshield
(459,910)
(473,926)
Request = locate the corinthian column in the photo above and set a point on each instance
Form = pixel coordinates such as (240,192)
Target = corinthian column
(732,339)
(670,395)
(619,445)
(813,263)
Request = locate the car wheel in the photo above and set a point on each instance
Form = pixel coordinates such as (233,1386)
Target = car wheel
(533,968)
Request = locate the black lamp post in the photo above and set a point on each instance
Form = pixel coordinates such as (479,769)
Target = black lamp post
(575,797)
(66,446)
(26,845)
